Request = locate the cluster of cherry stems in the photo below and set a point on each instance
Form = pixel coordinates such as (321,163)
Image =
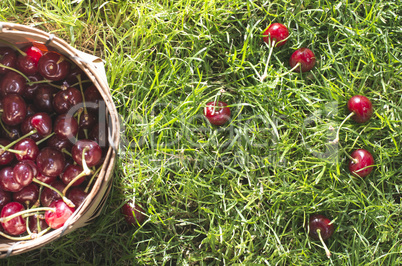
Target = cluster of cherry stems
(302,60)
(49,148)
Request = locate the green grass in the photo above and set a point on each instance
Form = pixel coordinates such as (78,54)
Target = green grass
(242,193)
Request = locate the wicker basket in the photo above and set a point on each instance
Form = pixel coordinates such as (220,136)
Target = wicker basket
(94,68)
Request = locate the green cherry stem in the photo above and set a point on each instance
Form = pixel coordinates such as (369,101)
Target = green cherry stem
(327,252)
(92,179)
(64,198)
(29,211)
(85,172)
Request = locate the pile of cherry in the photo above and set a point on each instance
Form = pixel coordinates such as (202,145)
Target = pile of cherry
(49,139)
(361,161)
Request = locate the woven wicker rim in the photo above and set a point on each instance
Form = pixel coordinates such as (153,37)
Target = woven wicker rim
(94,68)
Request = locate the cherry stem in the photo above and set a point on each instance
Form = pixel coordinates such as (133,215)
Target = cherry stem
(271,48)
(82,174)
(92,179)
(327,252)
(64,150)
(83,81)
(4,127)
(45,138)
(7,147)
(64,198)
(12,216)
(14,46)
(19,72)
(13,151)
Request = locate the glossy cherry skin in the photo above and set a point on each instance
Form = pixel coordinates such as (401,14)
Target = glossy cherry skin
(6,157)
(363,159)
(8,57)
(45,179)
(41,122)
(70,172)
(92,98)
(217,113)
(23,173)
(66,127)
(29,64)
(322,223)
(28,147)
(60,216)
(59,144)
(17,225)
(49,195)
(29,91)
(7,180)
(50,162)
(12,83)
(276,32)
(64,100)
(362,107)
(28,196)
(93,154)
(134,214)
(305,57)
(14,109)
(53,66)
(77,195)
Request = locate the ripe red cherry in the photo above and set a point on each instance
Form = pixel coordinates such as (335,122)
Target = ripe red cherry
(7,180)
(92,154)
(28,147)
(34,226)
(361,107)
(28,64)
(50,162)
(12,83)
(77,195)
(133,213)
(57,218)
(53,66)
(217,113)
(14,109)
(302,59)
(65,127)
(8,57)
(70,172)
(361,159)
(17,225)
(321,228)
(28,195)
(65,99)
(6,157)
(277,33)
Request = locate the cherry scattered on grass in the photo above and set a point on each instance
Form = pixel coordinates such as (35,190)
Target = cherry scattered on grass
(361,164)
(133,213)
(302,60)
(321,228)
(275,35)
(217,113)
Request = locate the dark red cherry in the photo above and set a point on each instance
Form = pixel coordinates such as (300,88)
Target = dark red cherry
(70,172)
(217,113)
(37,224)
(87,121)
(277,33)
(321,223)
(49,195)
(6,157)
(42,123)
(99,134)
(28,147)
(64,100)
(17,225)
(304,57)
(77,195)
(11,132)
(23,173)
(361,107)
(362,163)
(72,79)
(45,179)
(43,98)
(8,57)
(29,91)
(133,213)
(93,152)
(12,83)
(60,216)
(7,180)
(92,97)
(66,127)
(28,196)
(50,162)
(28,64)
(5,197)
(59,144)
(53,66)
(14,109)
